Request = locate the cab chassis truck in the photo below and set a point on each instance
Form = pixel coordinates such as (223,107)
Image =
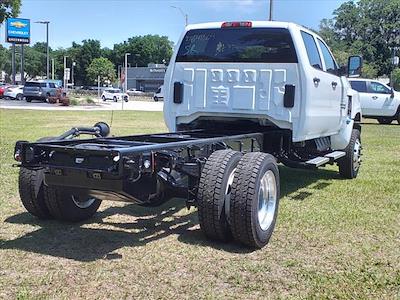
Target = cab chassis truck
(240,97)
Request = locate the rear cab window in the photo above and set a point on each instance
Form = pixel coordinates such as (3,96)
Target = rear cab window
(359,86)
(249,45)
(312,50)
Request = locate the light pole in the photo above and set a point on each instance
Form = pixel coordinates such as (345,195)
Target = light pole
(65,74)
(126,72)
(52,68)
(270,9)
(47,46)
(394,45)
(185,15)
(72,73)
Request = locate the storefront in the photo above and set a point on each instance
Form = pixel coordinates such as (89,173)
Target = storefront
(146,79)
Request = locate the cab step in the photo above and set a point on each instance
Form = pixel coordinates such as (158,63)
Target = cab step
(326,159)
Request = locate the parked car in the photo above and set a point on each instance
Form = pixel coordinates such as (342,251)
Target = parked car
(114,94)
(14,92)
(378,101)
(40,90)
(3,88)
(159,94)
(134,92)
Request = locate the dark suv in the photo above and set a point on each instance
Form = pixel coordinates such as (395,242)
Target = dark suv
(40,90)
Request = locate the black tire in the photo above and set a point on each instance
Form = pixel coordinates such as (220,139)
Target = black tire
(385,121)
(47,99)
(155,99)
(62,204)
(32,190)
(20,97)
(213,189)
(28,99)
(115,99)
(247,228)
(103,98)
(349,165)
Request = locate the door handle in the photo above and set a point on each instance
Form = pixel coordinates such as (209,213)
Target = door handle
(316,80)
(374,97)
(334,84)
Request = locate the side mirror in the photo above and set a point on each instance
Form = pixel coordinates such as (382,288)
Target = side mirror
(354,66)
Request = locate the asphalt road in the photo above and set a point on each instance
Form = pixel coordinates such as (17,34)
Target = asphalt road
(109,105)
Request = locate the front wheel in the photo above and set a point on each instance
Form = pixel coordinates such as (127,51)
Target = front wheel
(155,98)
(70,205)
(20,97)
(103,98)
(115,99)
(255,199)
(350,164)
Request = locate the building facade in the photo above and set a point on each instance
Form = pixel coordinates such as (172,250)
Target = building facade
(146,79)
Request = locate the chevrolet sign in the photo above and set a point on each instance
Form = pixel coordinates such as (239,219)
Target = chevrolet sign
(18,31)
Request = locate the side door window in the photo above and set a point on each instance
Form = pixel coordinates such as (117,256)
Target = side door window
(312,50)
(330,64)
(359,86)
(52,85)
(378,88)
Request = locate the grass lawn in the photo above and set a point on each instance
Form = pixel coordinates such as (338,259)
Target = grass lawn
(334,238)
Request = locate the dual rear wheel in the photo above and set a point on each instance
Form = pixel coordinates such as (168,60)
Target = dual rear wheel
(238,197)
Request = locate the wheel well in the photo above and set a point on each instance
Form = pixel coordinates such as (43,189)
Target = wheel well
(357,117)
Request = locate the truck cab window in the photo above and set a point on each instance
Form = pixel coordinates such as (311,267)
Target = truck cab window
(330,63)
(312,50)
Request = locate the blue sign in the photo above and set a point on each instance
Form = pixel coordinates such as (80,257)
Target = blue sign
(18,31)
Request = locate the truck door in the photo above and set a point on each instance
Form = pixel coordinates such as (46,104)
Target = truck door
(325,92)
(380,103)
(333,84)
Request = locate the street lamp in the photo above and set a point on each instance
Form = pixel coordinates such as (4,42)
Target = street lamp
(183,13)
(47,46)
(65,73)
(126,72)
(270,9)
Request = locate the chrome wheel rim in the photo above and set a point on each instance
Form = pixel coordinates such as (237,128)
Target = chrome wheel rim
(228,190)
(267,196)
(357,155)
(82,204)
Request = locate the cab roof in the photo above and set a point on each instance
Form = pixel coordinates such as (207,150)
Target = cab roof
(255,24)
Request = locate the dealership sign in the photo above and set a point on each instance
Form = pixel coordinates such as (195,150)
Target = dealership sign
(18,31)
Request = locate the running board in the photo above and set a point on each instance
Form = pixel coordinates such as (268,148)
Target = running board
(329,158)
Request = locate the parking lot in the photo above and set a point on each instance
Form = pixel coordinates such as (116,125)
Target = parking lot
(99,105)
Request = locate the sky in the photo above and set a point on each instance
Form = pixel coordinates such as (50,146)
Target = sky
(113,21)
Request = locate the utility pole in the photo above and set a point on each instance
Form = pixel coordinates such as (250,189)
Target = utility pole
(22,71)
(270,9)
(52,68)
(47,46)
(65,74)
(126,76)
(13,63)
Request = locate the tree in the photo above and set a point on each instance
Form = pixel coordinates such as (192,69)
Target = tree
(101,67)
(144,50)
(9,9)
(396,79)
(364,27)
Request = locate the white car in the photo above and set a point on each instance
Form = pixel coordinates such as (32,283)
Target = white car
(378,101)
(159,94)
(114,94)
(134,92)
(14,92)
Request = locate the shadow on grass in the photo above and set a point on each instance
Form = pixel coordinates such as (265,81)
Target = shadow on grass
(81,242)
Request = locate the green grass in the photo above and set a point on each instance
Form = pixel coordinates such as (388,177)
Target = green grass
(334,238)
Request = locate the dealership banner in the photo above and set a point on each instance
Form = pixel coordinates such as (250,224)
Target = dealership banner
(18,31)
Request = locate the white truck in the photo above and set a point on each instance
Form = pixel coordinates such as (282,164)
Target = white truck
(378,101)
(240,98)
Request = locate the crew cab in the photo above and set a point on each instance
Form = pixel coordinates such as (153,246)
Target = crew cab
(114,94)
(378,101)
(240,98)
